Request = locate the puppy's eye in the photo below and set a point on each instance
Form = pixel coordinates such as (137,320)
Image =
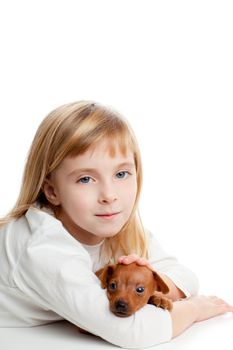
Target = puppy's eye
(112,286)
(140,290)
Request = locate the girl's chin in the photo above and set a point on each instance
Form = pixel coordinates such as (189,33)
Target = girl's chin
(107,234)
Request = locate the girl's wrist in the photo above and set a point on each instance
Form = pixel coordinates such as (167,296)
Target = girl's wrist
(194,309)
(183,314)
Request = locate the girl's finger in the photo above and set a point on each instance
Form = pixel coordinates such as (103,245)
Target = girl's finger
(128,259)
(121,258)
(221,303)
(143,262)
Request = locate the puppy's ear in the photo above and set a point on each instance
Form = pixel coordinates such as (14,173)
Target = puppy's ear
(105,274)
(162,286)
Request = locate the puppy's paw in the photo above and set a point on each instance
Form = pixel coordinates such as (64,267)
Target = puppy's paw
(161,301)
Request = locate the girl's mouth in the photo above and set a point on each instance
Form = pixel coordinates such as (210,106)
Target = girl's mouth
(107,215)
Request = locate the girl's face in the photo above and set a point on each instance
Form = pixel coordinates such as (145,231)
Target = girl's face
(94,193)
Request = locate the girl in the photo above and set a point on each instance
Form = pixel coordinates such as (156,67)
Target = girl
(77,211)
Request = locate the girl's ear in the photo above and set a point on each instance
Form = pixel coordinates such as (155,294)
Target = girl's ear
(50,193)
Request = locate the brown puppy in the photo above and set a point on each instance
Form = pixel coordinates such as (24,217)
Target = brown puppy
(130,287)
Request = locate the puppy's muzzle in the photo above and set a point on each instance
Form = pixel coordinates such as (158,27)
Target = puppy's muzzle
(121,308)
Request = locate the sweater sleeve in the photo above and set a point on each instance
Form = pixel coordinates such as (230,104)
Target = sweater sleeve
(167,264)
(55,273)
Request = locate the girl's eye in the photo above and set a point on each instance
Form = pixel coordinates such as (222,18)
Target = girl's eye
(122,174)
(84,180)
(140,290)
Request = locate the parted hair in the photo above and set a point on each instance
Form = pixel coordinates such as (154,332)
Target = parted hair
(70,130)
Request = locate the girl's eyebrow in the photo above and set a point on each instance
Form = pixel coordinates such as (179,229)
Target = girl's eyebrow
(93,170)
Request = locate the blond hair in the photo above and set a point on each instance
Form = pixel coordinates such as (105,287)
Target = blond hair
(71,130)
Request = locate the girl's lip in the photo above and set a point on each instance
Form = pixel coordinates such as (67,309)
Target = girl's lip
(106,215)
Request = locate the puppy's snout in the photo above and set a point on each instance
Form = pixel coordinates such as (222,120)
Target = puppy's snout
(121,306)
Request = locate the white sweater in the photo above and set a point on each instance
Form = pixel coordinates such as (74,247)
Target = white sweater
(46,275)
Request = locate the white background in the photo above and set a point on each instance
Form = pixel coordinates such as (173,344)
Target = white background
(167,66)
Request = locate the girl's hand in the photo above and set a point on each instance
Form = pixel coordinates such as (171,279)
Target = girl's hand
(128,259)
(209,306)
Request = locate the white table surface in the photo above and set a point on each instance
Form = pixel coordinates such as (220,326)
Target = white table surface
(216,333)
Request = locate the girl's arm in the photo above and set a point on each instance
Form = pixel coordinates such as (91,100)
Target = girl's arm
(54,273)
(65,284)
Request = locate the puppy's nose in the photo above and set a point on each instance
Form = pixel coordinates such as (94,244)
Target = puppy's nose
(121,306)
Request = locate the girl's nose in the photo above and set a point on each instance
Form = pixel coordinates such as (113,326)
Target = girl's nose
(107,200)
(107,195)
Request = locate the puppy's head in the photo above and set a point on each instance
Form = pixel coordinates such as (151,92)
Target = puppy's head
(129,287)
